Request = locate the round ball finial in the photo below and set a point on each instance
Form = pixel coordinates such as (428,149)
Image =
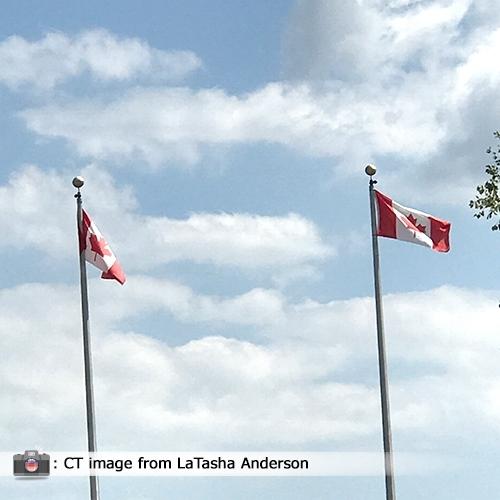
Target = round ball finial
(78,182)
(370,170)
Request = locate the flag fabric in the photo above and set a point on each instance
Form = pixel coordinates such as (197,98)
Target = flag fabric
(407,224)
(98,252)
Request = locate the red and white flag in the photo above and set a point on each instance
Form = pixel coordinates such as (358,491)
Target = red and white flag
(407,224)
(98,252)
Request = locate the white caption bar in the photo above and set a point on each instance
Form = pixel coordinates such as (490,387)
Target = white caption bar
(229,463)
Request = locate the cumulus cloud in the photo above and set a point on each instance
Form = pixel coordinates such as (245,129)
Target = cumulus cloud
(158,125)
(143,294)
(432,57)
(39,209)
(450,352)
(197,387)
(371,39)
(57,57)
(409,82)
(213,392)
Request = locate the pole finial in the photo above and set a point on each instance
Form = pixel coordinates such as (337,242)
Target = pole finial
(78,182)
(370,170)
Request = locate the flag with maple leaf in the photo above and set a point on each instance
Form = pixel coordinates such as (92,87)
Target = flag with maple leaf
(98,252)
(407,224)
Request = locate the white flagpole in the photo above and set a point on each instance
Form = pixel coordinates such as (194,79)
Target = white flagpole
(390,492)
(87,356)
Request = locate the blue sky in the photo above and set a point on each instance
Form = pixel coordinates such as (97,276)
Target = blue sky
(223,146)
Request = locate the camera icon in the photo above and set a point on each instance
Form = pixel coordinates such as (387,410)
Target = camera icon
(31,463)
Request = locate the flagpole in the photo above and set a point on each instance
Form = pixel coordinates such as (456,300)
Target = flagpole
(87,356)
(390,493)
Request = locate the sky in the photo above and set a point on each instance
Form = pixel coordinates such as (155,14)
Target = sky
(223,146)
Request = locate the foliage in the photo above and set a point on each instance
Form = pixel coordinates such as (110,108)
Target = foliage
(487,202)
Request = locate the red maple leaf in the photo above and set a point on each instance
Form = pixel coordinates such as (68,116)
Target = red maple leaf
(99,246)
(413,221)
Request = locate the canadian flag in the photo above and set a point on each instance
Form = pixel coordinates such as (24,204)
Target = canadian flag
(98,252)
(407,224)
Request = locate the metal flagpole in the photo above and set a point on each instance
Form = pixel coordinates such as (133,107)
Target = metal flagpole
(89,392)
(390,492)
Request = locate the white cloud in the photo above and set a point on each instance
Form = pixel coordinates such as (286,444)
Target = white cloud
(373,40)
(158,125)
(433,62)
(143,294)
(39,210)
(57,57)
(422,117)
(286,389)
(449,350)
(190,395)
(409,82)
